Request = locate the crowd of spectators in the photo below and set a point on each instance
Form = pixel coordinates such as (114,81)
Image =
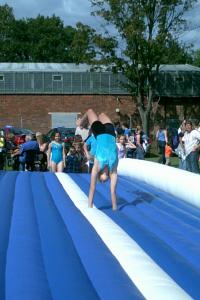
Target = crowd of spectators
(53,156)
(184,142)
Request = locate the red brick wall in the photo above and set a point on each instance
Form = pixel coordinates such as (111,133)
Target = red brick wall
(31,111)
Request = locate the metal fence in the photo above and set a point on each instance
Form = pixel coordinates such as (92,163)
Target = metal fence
(61,83)
(169,84)
(178,84)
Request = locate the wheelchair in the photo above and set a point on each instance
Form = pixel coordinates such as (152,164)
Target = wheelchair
(35,161)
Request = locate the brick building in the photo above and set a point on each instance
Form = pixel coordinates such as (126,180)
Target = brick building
(40,96)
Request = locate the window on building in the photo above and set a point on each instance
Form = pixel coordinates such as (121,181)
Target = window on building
(62,119)
(57,78)
(1,77)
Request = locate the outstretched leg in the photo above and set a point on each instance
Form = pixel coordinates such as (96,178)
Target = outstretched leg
(89,117)
(104,118)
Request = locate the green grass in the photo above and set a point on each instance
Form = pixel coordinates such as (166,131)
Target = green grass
(155,157)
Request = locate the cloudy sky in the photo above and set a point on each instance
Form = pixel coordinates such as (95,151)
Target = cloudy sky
(72,11)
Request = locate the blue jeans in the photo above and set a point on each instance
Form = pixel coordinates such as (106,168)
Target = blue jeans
(192,162)
(21,166)
(182,164)
(161,147)
(139,153)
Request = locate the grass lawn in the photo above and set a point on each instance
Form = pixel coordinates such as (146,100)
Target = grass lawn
(154,158)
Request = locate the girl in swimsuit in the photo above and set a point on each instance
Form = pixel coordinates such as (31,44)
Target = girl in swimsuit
(56,154)
(106,156)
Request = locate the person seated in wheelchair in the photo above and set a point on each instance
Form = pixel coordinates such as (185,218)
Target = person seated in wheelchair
(27,153)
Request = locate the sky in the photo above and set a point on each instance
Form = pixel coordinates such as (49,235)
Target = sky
(73,11)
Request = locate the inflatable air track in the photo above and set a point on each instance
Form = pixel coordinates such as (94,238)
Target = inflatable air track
(53,247)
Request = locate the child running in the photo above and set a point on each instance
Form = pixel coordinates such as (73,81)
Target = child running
(56,154)
(105,156)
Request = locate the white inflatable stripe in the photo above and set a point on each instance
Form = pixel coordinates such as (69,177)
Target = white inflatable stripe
(179,183)
(149,278)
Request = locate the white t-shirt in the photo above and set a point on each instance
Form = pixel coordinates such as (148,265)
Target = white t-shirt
(83,132)
(191,139)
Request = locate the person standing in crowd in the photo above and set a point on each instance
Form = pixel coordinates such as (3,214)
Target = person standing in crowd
(42,143)
(126,130)
(123,145)
(181,129)
(56,154)
(131,146)
(192,147)
(118,128)
(73,164)
(139,143)
(106,157)
(81,157)
(180,150)
(161,137)
(2,149)
(89,148)
(82,131)
(168,154)
(12,152)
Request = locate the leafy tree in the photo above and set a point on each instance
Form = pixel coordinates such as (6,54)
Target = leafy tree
(47,39)
(6,31)
(82,48)
(178,53)
(42,39)
(144,37)
(196,60)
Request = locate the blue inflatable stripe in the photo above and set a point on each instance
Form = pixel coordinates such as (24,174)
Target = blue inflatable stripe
(164,224)
(66,275)
(180,229)
(138,225)
(184,248)
(25,273)
(108,278)
(178,213)
(6,204)
(168,259)
(187,234)
(185,211)
(2,174)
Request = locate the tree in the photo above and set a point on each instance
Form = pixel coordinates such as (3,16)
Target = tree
(196,60)
(81,48)
(6,31)
(47,39)
(43,39)
(144,31)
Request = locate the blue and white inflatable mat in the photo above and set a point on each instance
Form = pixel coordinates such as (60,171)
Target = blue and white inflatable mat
(53,247)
